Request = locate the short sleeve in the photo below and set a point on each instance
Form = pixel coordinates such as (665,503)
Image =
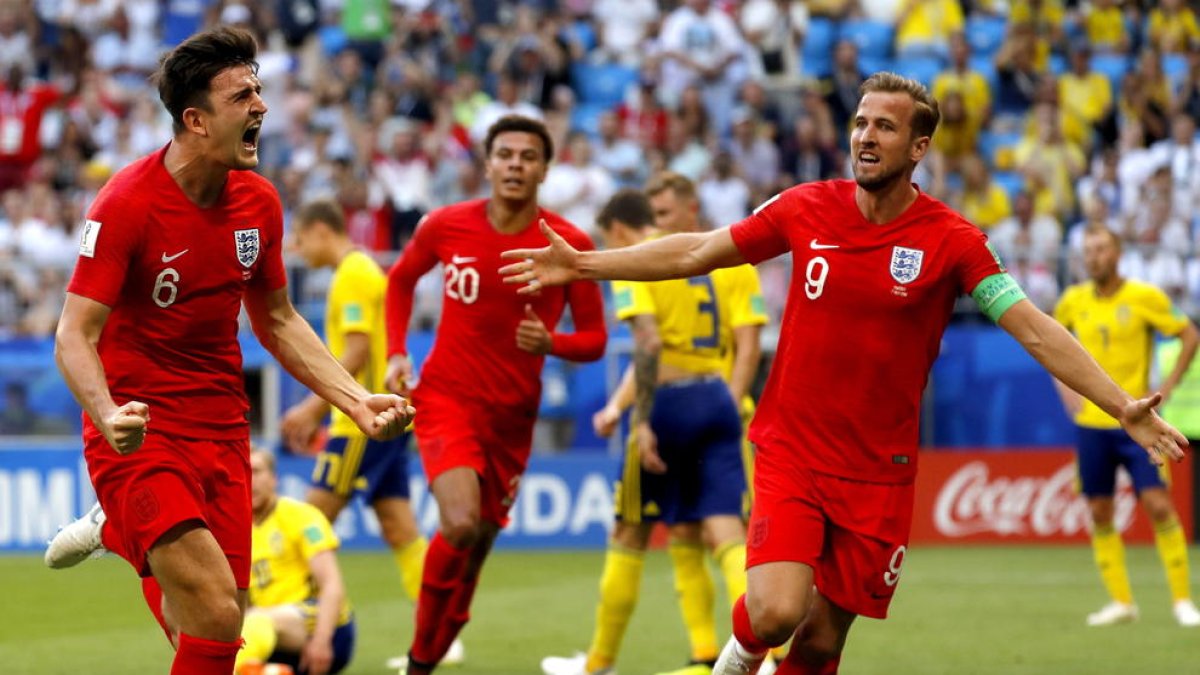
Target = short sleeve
(316,534)
(760,236)
(632,298)
(977,260)
(108,243)
(357,295)
(1158,311)
(272,275)
(1064,311)
(747,307)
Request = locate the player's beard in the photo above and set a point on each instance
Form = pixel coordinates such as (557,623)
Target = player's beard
(879,181)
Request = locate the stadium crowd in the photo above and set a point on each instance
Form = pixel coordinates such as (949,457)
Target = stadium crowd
(1055,114)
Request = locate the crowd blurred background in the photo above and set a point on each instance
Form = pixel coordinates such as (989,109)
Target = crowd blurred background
(1055,114)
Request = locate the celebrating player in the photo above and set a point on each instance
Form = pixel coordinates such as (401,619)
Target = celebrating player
(298,614)
(1115,319)
(481,384)
(878,265)
(173,246)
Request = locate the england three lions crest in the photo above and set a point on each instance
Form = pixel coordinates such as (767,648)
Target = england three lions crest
(906,264)
(246,242)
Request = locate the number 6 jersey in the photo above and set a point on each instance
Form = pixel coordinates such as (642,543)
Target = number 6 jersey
(865,314)
(174,274)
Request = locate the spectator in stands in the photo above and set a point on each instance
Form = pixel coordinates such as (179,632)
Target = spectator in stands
(467,99)
(620,157)
(16,48)
(725,197)
(1181,152)
(1048,158)
(971,84)
(757,156)
(1087,94)
(1188,98)
(693,114)
(1046,16)
(535,55)
(1028,236)
(576,186)
(805,157)
(958,134)
(1105,27)
(1171,27)
(924,27)
(402,175)
(644,121)
(687,153)
(842,88)
(1157,240)
(1017,71)
(775,30)
(700,45)
(772,123)
(507,102)
(982,201)
(1146,97)
(1101,183)
(22,106)
(623,27)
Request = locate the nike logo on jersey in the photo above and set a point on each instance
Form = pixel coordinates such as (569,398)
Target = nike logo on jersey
(818,247)
(168,258)
(461,259)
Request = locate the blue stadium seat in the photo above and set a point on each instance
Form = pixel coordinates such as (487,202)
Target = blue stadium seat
(920,68)
(1112,66)
(1175,67)
(1012,182)
(874,38)
(990,144)
(1058,64)
(875,64)
(586,118)
(985,34)
(816,55)
(986,66)
(602,85)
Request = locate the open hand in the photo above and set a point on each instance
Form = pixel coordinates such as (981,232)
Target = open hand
(1161,440)
(554,265)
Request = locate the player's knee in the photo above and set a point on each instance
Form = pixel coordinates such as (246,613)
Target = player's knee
(219,618)
(1102,512)
(820,648)
(461,528)
(774,619)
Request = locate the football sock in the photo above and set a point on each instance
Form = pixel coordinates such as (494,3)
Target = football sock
(258,630)
(793,665)
(1110,560)
(696,594)
(410,560)
(731,559)
(743,632)
(197,656)
(620,584)
(1172,550)
(459,613)
(153,594)
(444,566)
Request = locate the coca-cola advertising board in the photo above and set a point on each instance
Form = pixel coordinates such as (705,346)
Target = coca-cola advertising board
(1022,497)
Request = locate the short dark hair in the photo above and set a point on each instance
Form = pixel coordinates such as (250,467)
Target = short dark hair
(925,115)
(185,75)
(528,125)
(629,206)
(320,211)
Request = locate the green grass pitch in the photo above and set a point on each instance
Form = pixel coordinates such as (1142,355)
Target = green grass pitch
(959,610)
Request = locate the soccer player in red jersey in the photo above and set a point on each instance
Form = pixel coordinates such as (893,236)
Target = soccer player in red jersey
(174,245)
(481,384)
(878,265)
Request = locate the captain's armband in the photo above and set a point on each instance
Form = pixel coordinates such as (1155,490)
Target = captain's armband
(996,294)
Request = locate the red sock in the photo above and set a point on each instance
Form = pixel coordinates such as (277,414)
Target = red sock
(197,656)
(458,616)
(793,665)
(444,567)
(153,594)
(743,632)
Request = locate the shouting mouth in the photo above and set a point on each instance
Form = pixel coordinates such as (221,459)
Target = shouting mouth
(250,137)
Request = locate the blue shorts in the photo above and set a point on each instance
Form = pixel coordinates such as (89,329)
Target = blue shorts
(343,644)
(357,464)
(699,434)
(1101,451)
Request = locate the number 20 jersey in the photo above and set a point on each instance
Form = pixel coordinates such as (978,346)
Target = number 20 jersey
(864,319)
(174,275)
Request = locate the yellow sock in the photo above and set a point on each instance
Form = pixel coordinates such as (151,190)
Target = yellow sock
(1110,560)
(619,587)
(1172,550)
(696,594)
(410,560)
(731,560)
(258,630)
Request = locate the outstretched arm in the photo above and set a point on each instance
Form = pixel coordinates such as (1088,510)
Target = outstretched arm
(1065,358)
(677,256)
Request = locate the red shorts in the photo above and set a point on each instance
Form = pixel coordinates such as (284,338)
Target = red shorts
(171,480)
(853,534)
(455,432)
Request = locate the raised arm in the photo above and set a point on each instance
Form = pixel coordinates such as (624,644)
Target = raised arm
(78,360)
(417,259)
(293,343)
(677,256)
(1065,358)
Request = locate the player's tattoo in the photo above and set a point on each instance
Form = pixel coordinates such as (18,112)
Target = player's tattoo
(646,347)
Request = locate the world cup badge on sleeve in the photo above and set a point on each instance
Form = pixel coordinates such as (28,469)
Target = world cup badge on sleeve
(246,242)
(906,264)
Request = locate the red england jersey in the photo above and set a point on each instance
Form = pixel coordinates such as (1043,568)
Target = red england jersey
(475,353)
(863,324)
(174,275)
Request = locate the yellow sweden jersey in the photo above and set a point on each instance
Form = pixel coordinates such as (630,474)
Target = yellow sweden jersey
(696,316)
(355,305)
(1118,331)
(281,547)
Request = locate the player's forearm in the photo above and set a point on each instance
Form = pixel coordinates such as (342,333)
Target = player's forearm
(625,392)
(1062,355)
(81,368)
(329,609)
(747,352)
(591,334)
(646,350)
(1189,339)
(298,349)
(398,308)
(676,256)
